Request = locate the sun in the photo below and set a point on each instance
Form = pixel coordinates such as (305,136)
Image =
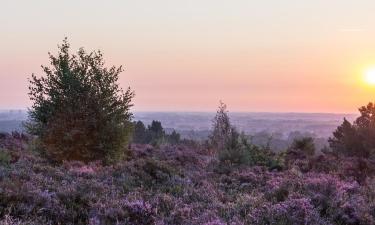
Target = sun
(370,76)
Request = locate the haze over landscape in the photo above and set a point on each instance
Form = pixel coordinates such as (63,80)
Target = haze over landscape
(197,125)
(262,56)
(206,112)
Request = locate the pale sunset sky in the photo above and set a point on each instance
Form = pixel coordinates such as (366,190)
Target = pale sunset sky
(269,55)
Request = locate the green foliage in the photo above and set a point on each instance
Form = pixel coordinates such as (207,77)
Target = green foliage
(79,112)
(237,151)
(5,158)
(232,147)
(158,171)
(156,129)
(223,134)
(181,188)
(174,137)
(305,145)
(357,139)
(154,134)
(139,134)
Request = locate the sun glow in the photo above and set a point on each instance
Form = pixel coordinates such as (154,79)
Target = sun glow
(370,76)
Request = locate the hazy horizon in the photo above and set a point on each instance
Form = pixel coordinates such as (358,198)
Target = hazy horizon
(212,111)
(196,125)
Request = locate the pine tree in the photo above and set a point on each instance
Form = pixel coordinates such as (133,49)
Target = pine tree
(346,140)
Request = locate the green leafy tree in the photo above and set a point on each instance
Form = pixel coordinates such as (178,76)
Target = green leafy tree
(79,112)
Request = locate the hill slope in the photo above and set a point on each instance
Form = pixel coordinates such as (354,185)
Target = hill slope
(180,185)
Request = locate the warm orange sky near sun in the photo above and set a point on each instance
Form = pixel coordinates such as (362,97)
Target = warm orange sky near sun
(280,56)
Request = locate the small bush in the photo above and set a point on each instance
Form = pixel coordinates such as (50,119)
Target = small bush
(292,211)
(233,148)
(305,145)
(158,172)
(5,158)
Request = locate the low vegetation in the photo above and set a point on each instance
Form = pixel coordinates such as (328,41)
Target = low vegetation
(180,184)
(234,149)
(232,182)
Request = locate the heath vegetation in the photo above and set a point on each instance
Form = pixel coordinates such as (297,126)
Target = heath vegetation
(85,161)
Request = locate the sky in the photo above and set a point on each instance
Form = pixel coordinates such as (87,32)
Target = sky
(262,56)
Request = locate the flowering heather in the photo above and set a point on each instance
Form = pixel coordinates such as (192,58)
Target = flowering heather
(180,184)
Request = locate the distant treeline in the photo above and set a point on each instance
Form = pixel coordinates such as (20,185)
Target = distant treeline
(153,134)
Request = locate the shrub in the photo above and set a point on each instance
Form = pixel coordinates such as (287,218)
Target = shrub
(157,172)
(292,211)
(305,145)
(5,158)
(79,111)
(233,148)
(174,137)
(175,185)
(126,212)
(241,152)
(234,152)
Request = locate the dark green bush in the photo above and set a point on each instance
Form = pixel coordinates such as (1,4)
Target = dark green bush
(154,134)
(139,134)
(174,137)
(242,152)
(158,172)
(232,147)
(357,139)
(5,158)
(305,145)
(79,111)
